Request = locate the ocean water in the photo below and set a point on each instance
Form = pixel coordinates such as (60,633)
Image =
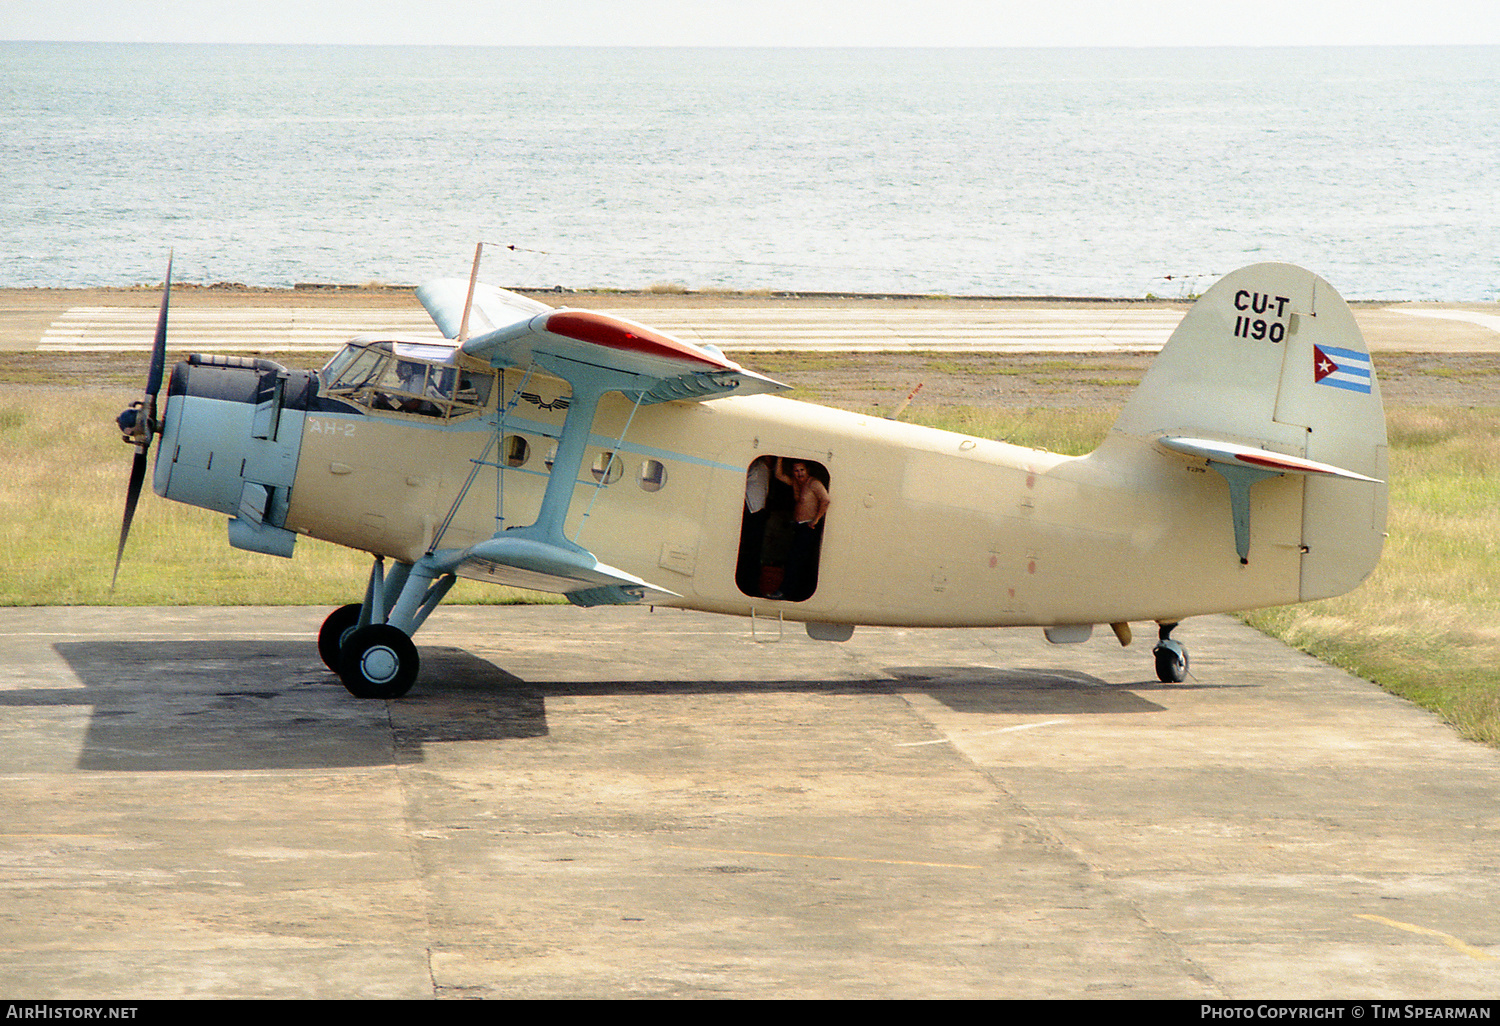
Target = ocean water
(967,172)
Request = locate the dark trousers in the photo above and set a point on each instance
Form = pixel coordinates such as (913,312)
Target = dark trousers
(801,564)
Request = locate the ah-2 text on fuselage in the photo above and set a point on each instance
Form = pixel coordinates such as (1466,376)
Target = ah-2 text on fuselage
(578,453)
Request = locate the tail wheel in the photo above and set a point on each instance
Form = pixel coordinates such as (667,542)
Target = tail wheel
(378,661)
(1171,661)
(339,625)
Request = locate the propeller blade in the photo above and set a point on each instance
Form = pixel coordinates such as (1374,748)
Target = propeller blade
(159,348)
(141,419)
(132,497)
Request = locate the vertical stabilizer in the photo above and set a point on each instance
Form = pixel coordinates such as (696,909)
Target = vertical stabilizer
(1271,359)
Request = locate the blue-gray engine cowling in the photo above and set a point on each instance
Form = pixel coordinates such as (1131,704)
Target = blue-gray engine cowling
(231,436)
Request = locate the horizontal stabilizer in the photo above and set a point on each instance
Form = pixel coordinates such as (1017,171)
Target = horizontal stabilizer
(1260,459)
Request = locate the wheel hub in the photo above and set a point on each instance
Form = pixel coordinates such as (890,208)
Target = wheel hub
(380,665)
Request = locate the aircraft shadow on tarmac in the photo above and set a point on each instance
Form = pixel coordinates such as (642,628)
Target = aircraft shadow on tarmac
(227,705)
(222,705)
(1030,691)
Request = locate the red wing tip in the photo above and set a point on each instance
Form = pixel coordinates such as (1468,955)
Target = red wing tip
(613,333)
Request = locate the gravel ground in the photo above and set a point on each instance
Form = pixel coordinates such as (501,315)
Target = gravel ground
(1084,380)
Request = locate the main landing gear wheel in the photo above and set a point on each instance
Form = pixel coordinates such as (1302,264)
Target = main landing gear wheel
(339,625)
(1171,657)
(378,661)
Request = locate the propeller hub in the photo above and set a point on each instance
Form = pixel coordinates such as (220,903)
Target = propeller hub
(128,419)
(136,426)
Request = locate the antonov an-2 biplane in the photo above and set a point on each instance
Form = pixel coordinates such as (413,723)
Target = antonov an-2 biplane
(578,453)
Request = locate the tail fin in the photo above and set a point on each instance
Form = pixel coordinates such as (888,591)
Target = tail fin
(1270,360)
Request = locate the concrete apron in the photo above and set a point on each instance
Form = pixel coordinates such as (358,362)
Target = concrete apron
(615,802)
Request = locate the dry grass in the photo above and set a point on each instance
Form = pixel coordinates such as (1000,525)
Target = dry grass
(1071,432)
(61,501)
(1426,625)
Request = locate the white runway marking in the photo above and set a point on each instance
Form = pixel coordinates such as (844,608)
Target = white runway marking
(745,329)
(96,329)
(1484,320)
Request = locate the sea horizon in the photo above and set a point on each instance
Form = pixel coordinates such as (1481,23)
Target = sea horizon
(1109,172)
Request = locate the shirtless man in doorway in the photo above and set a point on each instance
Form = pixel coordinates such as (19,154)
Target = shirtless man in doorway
(810,505)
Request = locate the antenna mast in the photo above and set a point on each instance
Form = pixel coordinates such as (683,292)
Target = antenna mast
(463,326)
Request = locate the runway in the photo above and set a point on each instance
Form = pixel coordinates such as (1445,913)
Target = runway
(618,802)
(931,326)
(103,329)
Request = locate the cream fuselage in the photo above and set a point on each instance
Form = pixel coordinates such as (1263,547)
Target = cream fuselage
(926,528)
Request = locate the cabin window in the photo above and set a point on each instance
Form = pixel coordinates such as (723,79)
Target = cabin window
(473,389)
(516,450)
(653,475)
(779,556)
(607,467)
(410,387)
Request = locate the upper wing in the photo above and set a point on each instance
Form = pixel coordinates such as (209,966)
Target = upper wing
(509,330)
(492,307)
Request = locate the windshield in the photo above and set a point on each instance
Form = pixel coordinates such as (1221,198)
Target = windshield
(403,377)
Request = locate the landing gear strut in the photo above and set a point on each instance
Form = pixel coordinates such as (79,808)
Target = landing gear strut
(1171,657)
(369,644)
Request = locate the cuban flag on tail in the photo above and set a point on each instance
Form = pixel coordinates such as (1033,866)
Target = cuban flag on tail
(1342,368)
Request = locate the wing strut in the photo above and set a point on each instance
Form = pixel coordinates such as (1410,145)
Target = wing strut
(484,461)
(539,555)
(614,454)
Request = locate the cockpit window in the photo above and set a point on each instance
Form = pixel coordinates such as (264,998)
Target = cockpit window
(405,377)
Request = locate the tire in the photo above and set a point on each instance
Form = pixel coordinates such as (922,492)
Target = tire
(335,629)
(378,661)
(1171,662)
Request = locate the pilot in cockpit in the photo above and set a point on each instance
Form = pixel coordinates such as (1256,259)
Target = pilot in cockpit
(414,386)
